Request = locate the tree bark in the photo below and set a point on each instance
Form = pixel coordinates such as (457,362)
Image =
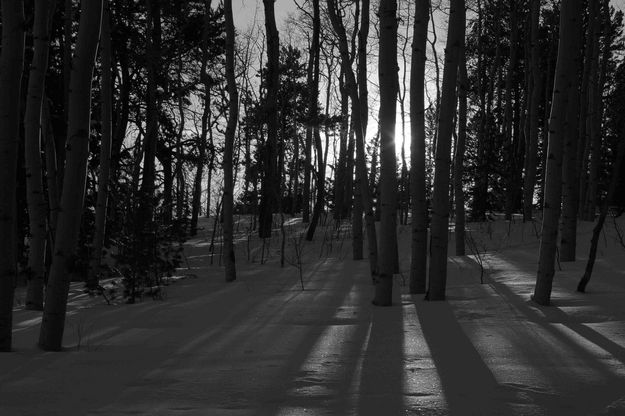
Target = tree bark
(440,198)
(459,157)
(388,81)
(145,212)
(233,114)
(591,53)
(596,115)
(205,80)
(71,206)
(529,181)
(570,175)
(105,149)
(314,122)
(270,181)
(418,264)
(33,117)
(11,67)
(596,232)
(509,144)
(569,23)
(360,129)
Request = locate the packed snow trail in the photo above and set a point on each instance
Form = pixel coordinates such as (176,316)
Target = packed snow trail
(262,346)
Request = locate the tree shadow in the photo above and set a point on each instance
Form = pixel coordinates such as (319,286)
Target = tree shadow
(381,389)
(468,384)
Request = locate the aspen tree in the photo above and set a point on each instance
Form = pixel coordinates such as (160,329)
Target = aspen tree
(270,181)
(105,148)
(359,129)
(33,117)
(11,66)
(569,24)
(418,264)
(74,180)
(233,114)
(440,199)
(459,156)
(388,81)
(531,153)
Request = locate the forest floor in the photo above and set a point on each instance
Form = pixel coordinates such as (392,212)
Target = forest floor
(263,346)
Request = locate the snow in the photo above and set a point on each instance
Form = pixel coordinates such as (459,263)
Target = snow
(262,346)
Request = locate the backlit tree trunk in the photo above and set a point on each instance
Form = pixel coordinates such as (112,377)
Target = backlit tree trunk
(570,21)
(459,158)
(11,66)
(440,198)
(359,127)
(71,206)
(418,265)
(387,72)
(233,114)
(270,182)
(313,120)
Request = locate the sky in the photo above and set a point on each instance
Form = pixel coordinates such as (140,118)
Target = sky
(245,10)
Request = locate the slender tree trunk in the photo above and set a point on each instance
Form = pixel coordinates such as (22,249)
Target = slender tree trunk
(596,116)
(596,232)
(353,194)
(437,82)
(37,206)
(529,181)
(11,67)
(233,114)
(271,178)
(418,265)
(569,24)
(341,171)
(363,95)
(68,227)
(388,81)
(360,129)
(105,149)
(440,199)
(590,68)
(570,175)
(509,148)
(314,122)
(459,159)
(145,212)
(68,18)
(47,134)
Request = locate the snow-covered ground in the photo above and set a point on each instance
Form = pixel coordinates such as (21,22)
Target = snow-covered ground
(262,346)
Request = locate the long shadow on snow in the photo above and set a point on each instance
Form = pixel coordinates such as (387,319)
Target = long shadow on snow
(381,389)
(598,396)
(468,384)
(268,337)
(553,314)
(321,370)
